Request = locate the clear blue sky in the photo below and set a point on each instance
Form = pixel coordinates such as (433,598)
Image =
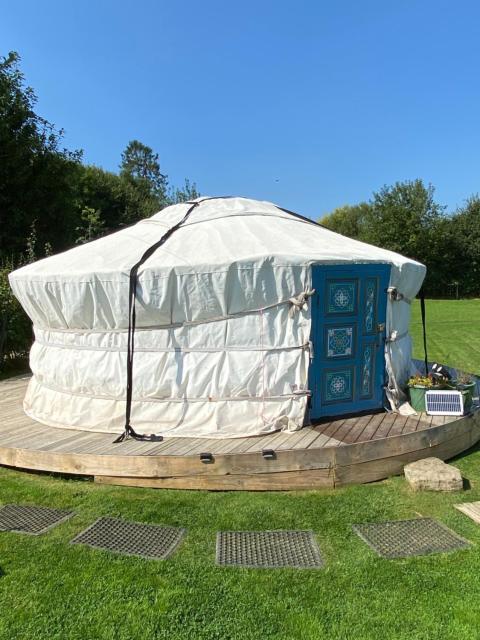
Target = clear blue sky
(309,104)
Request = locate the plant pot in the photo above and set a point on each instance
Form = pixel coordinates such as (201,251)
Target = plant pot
(417,398)
(467,391)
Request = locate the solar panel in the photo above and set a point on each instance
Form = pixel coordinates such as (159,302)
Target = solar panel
(444,403)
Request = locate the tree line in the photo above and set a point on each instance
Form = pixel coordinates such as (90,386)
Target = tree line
(406,218)
(50,200)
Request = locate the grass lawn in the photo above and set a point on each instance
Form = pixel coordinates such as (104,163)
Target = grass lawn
(50,589)
(453,333)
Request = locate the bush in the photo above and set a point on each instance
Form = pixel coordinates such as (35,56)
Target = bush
(15,325)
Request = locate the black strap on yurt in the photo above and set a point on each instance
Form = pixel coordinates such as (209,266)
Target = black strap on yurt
(129,432)
(422,309)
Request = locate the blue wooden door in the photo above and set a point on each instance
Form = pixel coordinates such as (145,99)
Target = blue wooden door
(347,371)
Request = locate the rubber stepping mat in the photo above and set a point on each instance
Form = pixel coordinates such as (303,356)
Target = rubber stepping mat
(470,509)
(403,538)
(268,549)
(131,538)
(31,519)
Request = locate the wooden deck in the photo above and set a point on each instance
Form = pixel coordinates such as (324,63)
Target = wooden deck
(343,451)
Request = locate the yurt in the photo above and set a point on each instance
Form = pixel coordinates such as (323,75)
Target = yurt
(216,318)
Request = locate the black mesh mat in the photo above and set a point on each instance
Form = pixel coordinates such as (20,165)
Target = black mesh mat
(131,538)
(402,538)
(31,519)
(268,549)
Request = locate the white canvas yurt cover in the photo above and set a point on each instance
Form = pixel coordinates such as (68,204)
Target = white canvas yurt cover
(222,321)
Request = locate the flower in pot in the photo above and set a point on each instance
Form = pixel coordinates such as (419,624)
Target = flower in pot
(418,385)
(466,384)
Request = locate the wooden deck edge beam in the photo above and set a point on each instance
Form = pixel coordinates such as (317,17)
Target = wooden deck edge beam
(281,481)
(165,466)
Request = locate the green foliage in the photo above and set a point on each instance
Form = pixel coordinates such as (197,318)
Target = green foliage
(140,167)
(406,218)
(186,193)
(464,238)
(401,218)
(91,227)
(37,177)
(15,326)
(347,220)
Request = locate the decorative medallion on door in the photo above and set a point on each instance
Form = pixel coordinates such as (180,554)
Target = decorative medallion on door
(338,385)
(342,296)
(340,342)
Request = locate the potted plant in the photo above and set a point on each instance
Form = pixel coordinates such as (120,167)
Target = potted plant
(466,384)
(417,386)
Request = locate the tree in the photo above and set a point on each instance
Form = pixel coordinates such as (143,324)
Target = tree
(118,200)
(347,220)
(141,167)
(37,177)
(465,246)
(401,218)
(91,226)
(186,193)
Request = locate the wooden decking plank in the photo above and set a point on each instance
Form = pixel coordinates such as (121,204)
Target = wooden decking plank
(372,427)
(470,509)
(64,437)
(385,426)
(130,447)
(11,410)
(185,447)
(300,439)
(324,442)
(344,431)
(82,442)
(262,442)
(331,428)
(397,427)
(412,423)
(14,433)
(424,422)
(358,428)
(204,445)
(316,440)
(227,445)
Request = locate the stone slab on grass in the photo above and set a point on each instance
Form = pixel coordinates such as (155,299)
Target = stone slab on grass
(432,474)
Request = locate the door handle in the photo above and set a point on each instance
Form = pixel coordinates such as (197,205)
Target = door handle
(380,330)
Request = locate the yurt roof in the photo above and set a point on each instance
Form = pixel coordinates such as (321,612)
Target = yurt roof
(220,231)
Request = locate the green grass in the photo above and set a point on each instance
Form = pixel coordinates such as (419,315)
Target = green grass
(53,590)
(453,333)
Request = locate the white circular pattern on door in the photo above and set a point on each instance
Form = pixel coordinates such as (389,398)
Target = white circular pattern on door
(342,297)
(337,385)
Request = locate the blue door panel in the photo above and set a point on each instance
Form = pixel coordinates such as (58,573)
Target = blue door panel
(347,372)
